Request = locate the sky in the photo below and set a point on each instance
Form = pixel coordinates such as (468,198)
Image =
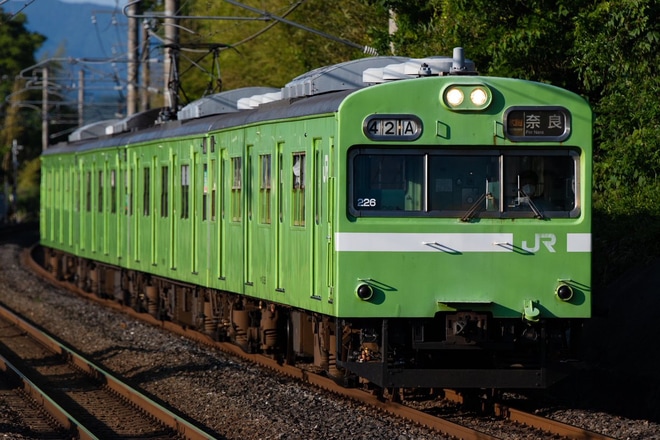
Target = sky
(110,3)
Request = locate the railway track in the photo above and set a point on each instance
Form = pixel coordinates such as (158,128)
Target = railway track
(503,417)
(82,399)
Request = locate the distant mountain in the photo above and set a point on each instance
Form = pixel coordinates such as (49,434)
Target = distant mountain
(71,27)
(86,32)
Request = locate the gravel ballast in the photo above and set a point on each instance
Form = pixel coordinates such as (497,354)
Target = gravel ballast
(228,397)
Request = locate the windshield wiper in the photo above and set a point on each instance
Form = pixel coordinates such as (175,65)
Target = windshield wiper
(473,209)
(537,212)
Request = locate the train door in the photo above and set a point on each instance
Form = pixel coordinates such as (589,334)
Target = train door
(280,250)
(112,217)
(220,198)
(259,233)
(184,230)
(102,206)
(297,225)
(248,222)
(125,206)
(58,211)
(76,182)
(143,211)
(329,178)
(208,207)
(161,257)
(233,207)
(86,203)
(318,233)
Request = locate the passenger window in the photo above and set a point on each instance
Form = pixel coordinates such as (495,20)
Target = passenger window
(164,187)
(298,190)
(236,189)
(185,191)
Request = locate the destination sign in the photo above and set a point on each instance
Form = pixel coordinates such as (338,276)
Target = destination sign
(537,124)
(392,127)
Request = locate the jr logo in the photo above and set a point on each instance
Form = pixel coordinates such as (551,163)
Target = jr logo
(548,240)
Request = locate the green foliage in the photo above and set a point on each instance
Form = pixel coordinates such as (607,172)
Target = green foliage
(617,61)
(29,178)
(529,40)
(17,48)
(271,53)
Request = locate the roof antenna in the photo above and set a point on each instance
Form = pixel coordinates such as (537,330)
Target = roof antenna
(458,63)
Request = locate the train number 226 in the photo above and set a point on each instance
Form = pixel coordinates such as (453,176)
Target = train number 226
(366,203)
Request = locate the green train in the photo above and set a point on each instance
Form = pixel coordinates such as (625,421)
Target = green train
(400,222)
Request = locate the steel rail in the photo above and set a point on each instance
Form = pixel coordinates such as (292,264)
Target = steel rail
(160,413)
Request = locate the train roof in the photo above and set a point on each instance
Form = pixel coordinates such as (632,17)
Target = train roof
(321,104)
(319,91)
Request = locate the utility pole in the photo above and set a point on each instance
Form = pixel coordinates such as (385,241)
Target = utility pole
(44,109)
(81,98)
(133,66)
(145,71)
(171,62)
(392,28)
(15,148)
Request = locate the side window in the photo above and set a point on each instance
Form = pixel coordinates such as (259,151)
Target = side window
(100,193)
(205,189)
(214,207)
(298,190)
(113,191)
(164,188)
(264,188)
(185,191)
(146,196)
(77,191)
(236,188)
(88,191)
(128,195)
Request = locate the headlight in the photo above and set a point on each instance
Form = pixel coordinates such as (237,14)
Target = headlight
(453,97)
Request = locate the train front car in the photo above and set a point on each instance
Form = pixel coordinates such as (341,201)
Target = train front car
(463,240)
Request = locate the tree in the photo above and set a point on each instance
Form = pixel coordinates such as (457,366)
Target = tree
(618,62)
(17,48)
(522,39)
(270,52)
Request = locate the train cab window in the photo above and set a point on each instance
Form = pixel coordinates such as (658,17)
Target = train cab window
(389,182)
(540,184)
(463,183)
(298,196)
(457,182)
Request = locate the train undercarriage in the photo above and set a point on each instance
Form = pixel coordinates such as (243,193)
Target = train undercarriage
(459,350)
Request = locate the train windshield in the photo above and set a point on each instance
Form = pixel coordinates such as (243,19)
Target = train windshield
(464,183)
